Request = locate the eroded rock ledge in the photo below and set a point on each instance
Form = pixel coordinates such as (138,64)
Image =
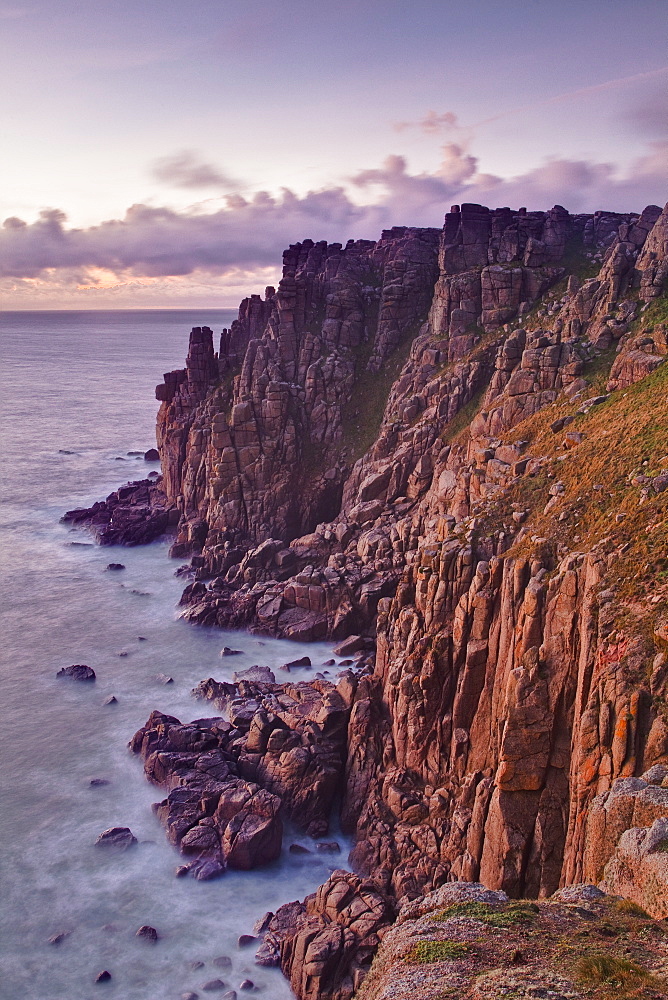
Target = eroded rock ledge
(135,514)
(465,941)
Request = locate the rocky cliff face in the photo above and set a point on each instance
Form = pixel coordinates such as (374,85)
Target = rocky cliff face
(454,444)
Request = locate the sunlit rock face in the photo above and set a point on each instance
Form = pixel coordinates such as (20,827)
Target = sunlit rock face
(452,444)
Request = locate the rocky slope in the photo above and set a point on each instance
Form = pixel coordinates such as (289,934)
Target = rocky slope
(465,941)
(454,444)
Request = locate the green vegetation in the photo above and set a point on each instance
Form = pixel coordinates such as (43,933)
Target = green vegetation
(628,908)
(619,972)
(364,415)
(597,371)
(438,951)
(623,436)
(510,916)
(460,422)
(656,312)
(576,262)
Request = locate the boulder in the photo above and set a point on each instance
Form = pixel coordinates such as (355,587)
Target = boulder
(77,672)
(147,933)
(118,838)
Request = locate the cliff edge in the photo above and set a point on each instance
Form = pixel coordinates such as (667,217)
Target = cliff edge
(452,445)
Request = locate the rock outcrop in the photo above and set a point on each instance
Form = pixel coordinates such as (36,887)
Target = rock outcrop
(231,782)
(627,840)
(463,940)
(325,945)
(135,514)
(452,445)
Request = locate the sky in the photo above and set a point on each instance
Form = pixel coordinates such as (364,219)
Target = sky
(160,154)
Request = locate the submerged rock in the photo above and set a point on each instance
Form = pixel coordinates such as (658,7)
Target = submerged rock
(205,871)
(119,838)
(59,937)
(148,933)
(77,672)
(213,984)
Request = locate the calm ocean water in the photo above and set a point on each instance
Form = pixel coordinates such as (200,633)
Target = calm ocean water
(77,396)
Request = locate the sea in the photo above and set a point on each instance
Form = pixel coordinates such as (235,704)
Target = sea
(77,399)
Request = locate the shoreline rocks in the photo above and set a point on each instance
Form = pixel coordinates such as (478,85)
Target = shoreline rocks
(282,752)
(77,672)
(135,514)
(117,838)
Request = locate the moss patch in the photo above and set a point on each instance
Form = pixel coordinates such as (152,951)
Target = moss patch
(438,951)
(460,422)
(364,412)
(510,916)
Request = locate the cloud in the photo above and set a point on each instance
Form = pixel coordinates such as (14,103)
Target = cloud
(187,170)
(582,185)
(647,114)
(432,122)
(159,241)
(415,196)
(158,247)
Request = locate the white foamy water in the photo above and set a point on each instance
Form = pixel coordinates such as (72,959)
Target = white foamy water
(77,395)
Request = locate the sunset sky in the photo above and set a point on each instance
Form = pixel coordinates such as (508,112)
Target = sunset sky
(159,154)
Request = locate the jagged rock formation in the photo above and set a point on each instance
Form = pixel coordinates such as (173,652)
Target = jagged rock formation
(281,750)
(325,945)
(243,460)
(629,826)
(455,444)
(135,514)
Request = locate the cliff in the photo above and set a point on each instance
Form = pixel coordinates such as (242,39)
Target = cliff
(453,444)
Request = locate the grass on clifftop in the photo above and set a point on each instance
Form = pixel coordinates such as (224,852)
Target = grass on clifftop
(619,973)
(438,951)
(599,951)
(508,916)
(624,436)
